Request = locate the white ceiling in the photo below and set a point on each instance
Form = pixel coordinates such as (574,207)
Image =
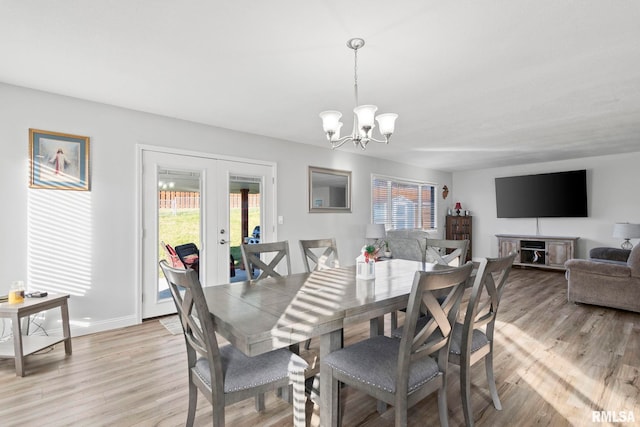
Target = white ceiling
(476,83)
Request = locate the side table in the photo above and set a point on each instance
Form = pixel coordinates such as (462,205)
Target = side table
(23,345)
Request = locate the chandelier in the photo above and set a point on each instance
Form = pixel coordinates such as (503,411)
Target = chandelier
(363,120)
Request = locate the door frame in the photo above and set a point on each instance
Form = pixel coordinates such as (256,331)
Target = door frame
(139,227)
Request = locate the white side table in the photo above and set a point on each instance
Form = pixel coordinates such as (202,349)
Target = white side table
(23,345)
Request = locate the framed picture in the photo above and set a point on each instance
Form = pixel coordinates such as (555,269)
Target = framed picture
(58,160)
(329,190)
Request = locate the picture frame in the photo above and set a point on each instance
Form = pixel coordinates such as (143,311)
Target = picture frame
(329,190)
(58,161)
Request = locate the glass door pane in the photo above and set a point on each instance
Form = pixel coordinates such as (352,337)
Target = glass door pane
(179,217)
(245,204)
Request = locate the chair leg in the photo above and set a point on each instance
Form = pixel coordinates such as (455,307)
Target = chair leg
(401,412)
(465,391)
(488,364)
(193,401)
(259,402)
(443,410)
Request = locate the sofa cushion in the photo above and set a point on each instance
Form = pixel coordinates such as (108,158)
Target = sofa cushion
(610,254)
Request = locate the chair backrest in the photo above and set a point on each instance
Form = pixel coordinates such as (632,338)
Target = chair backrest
(323,253)
(187,253)
(484,300)
(173,257)
(251,254)
(433,338)
(437,251)
(196,321)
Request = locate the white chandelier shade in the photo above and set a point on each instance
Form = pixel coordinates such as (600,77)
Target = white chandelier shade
(364,116)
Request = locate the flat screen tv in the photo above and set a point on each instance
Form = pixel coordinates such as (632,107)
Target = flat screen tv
(559,194)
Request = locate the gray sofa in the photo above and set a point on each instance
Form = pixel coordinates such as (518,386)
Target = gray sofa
(607,281)
(407,244)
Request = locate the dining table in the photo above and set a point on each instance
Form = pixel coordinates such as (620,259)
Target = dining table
(277,312)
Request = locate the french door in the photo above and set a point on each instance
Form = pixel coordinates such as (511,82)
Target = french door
(192,198)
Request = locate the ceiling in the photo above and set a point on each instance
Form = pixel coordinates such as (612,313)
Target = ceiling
(476,83)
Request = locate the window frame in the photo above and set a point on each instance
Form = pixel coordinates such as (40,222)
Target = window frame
(406,181)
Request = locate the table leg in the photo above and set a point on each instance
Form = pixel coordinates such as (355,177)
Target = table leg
(329,390)
(66,330)
(376,326)
(17,345)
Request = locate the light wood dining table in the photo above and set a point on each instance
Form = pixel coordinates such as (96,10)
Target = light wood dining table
(273,313)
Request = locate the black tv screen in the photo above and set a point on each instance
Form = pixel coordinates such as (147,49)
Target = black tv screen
(559,194)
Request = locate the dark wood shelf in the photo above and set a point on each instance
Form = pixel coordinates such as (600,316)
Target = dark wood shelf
(460,228)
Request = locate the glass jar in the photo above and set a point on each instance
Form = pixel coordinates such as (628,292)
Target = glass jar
(16,294)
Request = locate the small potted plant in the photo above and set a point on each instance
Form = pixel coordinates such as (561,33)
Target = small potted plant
(387,252)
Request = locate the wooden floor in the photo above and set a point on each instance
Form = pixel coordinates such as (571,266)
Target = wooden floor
(555,363)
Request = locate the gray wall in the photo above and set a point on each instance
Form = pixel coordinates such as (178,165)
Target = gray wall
(108,297)
(612,191)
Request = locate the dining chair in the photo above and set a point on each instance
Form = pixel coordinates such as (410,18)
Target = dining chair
(404,248)
(322,253)
(473,339)
(435,252)
(403,372)
(225,375)
(251,257)
(447,252)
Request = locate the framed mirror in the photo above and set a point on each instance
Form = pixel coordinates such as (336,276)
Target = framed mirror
(329,190)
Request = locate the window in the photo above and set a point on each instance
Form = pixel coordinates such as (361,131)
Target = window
(403,204)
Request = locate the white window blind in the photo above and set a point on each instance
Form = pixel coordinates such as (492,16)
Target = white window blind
(402,204)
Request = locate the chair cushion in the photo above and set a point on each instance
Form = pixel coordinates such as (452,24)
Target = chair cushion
(242,372)
(478,340)
(375,362)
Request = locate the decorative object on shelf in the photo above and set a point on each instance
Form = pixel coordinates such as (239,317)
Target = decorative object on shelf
(387,251)
(445,192)
(364,116)
(458,207)
(375,232)
(58,161)
(467,212)
(626,231)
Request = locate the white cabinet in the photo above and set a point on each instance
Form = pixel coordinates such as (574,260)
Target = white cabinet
(538,251)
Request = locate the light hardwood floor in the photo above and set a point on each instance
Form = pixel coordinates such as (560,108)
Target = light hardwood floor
(555,363)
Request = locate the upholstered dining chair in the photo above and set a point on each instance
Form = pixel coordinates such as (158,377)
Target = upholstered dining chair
(225,375)
(403,372)
(319,254)
(437,249)
(251,257)
(472,340)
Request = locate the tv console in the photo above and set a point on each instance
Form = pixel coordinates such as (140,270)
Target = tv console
(538,251)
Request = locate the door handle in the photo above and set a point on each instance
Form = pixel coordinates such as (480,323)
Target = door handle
(222,241)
